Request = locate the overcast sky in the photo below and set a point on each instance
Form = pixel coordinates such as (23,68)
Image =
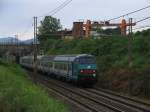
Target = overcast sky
(16,16)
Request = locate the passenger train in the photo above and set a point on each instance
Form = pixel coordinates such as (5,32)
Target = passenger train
(80,69)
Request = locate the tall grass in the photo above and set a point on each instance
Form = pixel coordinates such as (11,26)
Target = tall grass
(17,94)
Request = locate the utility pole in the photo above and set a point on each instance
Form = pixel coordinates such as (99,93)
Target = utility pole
(16,42)
(17,58)
(35,45)
(130,52)
(130,42)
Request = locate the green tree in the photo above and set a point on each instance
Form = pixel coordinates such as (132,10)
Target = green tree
(48,28)
(144,33)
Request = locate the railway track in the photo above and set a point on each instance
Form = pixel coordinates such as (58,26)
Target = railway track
(83,101)
(91,99)
(122,99)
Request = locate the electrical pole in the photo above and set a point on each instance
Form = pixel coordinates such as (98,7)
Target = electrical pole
(16,42)
(35,45)
(130,42)
(130,52)
(17,49)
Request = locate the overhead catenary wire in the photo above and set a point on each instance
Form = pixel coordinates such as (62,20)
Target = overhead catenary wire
(57,9)
(62,7)
(129,13)
(142,27)
(52,12)
(143,19)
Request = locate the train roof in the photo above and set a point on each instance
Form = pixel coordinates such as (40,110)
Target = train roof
(46,58)
(31,57)
(70,57)
(58,57)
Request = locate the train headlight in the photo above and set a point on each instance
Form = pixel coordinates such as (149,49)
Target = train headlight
(94,75)
(94,71)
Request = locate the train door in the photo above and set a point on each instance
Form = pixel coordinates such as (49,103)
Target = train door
(69,74)
(75,70)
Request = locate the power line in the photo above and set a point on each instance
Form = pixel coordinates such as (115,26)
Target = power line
(146,18)
(129,13)
(143,19)
(147,26)
(62,7)
(54,11)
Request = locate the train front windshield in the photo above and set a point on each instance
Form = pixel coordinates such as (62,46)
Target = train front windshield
(86,60)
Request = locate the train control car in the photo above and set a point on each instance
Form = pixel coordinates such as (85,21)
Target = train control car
(79,68)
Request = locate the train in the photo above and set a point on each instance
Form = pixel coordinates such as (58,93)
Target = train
(80,68)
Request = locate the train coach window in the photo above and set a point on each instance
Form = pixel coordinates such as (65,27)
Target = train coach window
(61,66)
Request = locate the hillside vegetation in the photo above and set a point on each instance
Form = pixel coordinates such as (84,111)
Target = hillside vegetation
(17,94)
(112,54)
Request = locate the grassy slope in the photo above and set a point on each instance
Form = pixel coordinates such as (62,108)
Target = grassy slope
(17,94)
(112,60)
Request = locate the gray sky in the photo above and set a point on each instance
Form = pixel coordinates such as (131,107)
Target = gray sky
(16,16)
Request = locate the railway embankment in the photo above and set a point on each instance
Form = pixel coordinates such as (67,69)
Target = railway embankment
(115,72)
(18,94)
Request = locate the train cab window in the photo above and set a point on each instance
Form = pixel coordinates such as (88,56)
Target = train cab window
(86,60)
